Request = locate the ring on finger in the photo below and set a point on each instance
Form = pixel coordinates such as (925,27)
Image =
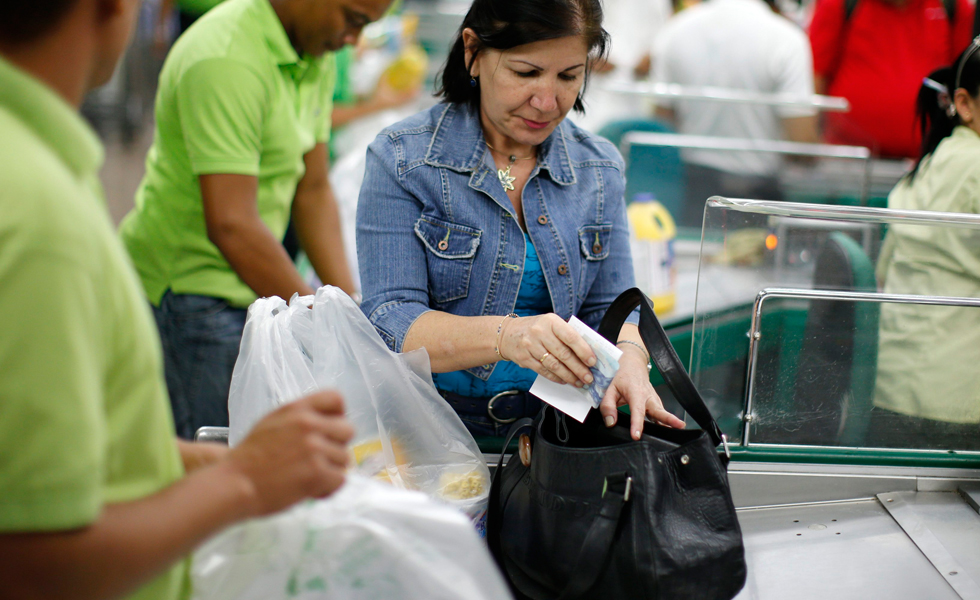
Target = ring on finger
(544,356)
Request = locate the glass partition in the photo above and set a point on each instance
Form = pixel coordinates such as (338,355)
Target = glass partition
(847,327)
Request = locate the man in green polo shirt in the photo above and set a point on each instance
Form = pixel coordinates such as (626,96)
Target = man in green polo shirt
(94,501)
(242,120)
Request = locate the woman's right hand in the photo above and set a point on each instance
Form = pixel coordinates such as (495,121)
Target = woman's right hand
(549,346)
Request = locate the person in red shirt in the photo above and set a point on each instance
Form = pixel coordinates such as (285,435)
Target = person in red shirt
(875,53)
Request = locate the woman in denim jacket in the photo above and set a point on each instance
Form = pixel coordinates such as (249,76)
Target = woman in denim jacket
(487,221)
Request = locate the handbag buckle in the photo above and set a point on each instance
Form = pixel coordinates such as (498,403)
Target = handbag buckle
(493,417)
(627,484)
(724,442)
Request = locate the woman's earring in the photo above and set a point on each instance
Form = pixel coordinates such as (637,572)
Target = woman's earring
(472,81)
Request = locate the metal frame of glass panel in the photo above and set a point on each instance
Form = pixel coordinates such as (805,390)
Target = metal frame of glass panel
(674,91)
(755,332)
(681,141)
(849,216)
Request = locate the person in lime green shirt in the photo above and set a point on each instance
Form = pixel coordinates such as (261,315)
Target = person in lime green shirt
(98,499)
(242,124)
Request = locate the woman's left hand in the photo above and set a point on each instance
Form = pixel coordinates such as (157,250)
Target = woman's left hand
(631,386)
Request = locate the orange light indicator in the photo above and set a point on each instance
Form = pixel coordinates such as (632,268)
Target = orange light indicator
(771,241)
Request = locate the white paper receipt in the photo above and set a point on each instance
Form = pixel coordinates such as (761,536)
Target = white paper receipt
(577,402)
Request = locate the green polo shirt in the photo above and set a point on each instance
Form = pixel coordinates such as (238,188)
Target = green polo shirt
(927,355)
(234,98)
(84,415)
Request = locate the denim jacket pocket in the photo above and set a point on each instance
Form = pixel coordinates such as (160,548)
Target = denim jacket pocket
(594,241)
(451,250)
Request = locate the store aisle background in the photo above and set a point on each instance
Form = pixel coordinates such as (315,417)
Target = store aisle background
(123,169)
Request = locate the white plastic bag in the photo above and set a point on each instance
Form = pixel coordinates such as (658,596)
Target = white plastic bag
(369,541)
(406,433)
(274,364)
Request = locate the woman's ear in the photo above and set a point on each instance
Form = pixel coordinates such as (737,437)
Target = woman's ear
(471,46)
(965,106)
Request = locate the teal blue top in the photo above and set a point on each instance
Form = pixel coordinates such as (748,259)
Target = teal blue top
(532,299)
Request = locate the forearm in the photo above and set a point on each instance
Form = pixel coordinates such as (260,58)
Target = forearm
(666,114)
(820,84)
(344,114)
(802,129)
(318,227)
(196,455)
(129,544)
(631,333)
(454,343)
(258,258)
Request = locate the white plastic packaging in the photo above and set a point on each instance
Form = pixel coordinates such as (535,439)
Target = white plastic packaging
(369,541)
(406,433)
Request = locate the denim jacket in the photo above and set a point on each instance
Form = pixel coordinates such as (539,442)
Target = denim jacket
(436,230)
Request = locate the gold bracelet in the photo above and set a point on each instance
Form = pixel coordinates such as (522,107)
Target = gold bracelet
(500,328)
(642,349)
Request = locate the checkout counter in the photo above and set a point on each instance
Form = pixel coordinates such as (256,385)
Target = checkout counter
(782,344)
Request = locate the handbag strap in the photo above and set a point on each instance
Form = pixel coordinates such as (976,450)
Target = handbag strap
(597,546)
(661,353)
(494,506)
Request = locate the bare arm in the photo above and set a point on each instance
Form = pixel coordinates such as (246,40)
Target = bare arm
(455,343)
(160,27)
(295,453)
(234,226)
(317,221)
(195,455)
(802,129)
(383,98)
(819,84)
(631,386)
(665,113)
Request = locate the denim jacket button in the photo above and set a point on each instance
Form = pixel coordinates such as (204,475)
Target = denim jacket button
(543,220)
(443,245)
(563,270)
(596,248)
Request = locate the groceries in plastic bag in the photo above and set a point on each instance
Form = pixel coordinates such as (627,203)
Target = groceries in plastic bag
(406,433)
(369,541)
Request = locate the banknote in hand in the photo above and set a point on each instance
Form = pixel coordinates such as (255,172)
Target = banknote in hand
(607,360)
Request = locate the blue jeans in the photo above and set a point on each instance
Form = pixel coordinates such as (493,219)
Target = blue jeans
(201,337)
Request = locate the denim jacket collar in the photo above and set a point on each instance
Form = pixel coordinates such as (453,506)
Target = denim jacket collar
(458,144)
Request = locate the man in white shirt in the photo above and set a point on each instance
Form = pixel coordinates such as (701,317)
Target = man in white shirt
(742,44)
(632,26)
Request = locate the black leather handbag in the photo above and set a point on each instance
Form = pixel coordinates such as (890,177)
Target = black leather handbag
(596,514)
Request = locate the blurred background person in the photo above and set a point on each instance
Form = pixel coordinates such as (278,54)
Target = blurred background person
(927,392)
(242,123)
(99,499)
(741,44)
(633,25)
(187,11)
(875,53)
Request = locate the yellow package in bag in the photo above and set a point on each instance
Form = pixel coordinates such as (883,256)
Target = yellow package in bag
(652,233)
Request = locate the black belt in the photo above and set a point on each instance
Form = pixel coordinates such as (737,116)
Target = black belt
(505,407)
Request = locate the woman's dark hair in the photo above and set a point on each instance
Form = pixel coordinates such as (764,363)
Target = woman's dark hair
(27,21)
(506,24)
(933,107)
